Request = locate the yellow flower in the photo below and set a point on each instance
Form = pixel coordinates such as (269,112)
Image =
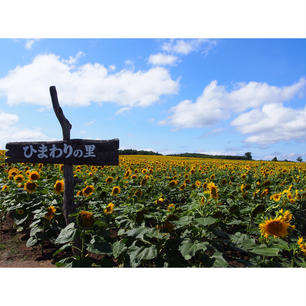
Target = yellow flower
(50,214)
(276,197)
(116,190)
(138,193)
(109,180)
(13,171)
(88,190)
(302,245)
(213,190)
(30,186)
(171,207)
(59,186)
(4,188)
(18,178)
(109,208)
(86,218)
(34,175)
(173,183)
(276,227)
(159,201)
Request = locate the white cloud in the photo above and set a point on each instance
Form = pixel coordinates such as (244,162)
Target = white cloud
(272,123)
(10,133)
(82,85)
(216,103)
(162,59)
(185,46)
(29,43)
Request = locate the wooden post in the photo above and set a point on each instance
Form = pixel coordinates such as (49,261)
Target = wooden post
(68,204)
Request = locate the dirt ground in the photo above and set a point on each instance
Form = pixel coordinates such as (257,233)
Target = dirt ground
(15,254)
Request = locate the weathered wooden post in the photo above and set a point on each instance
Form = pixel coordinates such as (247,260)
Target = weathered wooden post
(68,152)
(68,203)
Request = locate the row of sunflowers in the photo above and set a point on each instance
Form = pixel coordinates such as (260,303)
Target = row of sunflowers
(162,211)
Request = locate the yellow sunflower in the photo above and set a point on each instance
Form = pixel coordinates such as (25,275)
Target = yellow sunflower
(4,188)
(109,208)
(213,190)
(50,214)
(276,227)
(171,207)
(173,183)
(109,180)
(18,178)
(86,218)
(88,190)
(34,175)
(30,186)
(302,245)
(59,186)
(116,190)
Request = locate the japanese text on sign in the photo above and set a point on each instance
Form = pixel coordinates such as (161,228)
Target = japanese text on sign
(67,151)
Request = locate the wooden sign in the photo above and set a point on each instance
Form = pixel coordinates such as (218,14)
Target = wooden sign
(71,152)
(68,152)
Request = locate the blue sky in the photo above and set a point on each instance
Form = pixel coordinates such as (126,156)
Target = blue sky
(218,96)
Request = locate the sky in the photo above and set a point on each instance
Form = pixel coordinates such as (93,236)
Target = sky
(214,96)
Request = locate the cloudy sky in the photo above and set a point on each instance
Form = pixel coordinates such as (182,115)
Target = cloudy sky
(218,96)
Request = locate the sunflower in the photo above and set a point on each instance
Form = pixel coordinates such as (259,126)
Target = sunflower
(203,201)
(30,186)
(18,178)
(86,218)
(79,193)
(88,190)
(109,208)
(59,186)
(276,227)
(50,214)
(213,190)
(12,172)
(276,197)
(116,190)
(183,186)
(138,193)
(159,201)
(19,211)
(109,180)
(173,183)
(302,245)
(143,182)
(4,188)
(171,207)
(34,175)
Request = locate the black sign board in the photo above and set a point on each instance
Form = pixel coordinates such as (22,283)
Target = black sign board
(71,152)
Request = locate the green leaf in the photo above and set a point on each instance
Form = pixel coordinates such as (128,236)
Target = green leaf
(265,251)
(99,246)
(188,248)
(35,230)
(183,221)
(31,242)
(243,241)
(118,248)
(219,262)
(206,221)
(61,249)
(138,232)
(20,221)
(137,254)
(66,235)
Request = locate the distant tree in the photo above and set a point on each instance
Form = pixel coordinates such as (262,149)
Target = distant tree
(299,159)
(274,158)
(248,155)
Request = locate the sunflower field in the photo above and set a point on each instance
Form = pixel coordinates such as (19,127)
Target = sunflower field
(162,211)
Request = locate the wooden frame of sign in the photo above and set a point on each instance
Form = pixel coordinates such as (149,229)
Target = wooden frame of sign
(68,152)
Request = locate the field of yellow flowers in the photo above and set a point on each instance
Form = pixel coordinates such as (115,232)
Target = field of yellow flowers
(161,211)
